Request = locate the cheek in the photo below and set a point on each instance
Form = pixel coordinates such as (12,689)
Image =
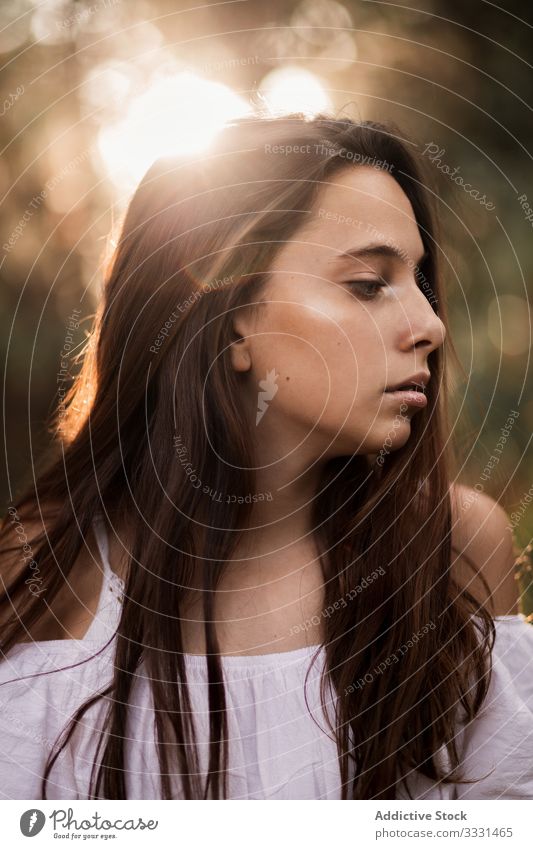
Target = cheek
(325,364)
(300,371)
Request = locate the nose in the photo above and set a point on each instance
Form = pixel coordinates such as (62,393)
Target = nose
(421,326)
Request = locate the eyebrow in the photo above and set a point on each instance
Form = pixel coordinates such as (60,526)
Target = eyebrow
(376,249)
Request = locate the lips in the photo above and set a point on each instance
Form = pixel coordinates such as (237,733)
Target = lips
(411,391)
(414,398)
(414,383)
(408,387)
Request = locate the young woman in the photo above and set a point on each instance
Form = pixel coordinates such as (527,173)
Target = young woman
(246,572)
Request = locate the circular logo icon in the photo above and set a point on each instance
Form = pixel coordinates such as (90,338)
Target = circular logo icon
(32,822)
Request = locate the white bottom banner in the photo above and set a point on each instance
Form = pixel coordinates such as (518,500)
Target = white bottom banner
(269,825)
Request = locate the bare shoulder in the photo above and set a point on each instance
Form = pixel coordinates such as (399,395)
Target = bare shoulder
(482,533)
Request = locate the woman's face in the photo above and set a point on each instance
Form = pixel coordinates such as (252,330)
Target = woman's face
(344,317)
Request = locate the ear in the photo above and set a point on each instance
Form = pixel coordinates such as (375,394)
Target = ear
(241,348)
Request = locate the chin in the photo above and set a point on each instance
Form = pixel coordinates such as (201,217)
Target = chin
(391,438)
(373,446)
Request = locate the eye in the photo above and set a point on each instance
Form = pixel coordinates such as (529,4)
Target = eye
(366,289)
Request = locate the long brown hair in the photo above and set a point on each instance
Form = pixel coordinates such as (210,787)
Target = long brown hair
(196,243)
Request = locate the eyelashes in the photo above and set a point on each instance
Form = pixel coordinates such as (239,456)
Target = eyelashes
(368,290)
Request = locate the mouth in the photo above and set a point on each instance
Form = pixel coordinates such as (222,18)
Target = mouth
(412,392)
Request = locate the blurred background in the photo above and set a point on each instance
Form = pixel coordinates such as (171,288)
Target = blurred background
(93,92)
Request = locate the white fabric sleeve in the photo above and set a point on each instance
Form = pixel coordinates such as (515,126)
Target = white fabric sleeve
(497,745)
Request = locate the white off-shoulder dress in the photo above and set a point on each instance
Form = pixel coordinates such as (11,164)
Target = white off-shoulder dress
(280,744)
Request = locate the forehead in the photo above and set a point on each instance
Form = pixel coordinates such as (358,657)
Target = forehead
(358,205)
